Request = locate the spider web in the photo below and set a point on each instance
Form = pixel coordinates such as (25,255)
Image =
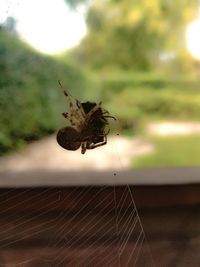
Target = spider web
(100,228)
(73,226)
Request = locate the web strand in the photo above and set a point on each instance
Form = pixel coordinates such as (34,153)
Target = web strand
(88,226)
(126,227)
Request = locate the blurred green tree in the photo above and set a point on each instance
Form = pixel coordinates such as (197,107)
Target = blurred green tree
(75,3)
(132,34)
(30,102)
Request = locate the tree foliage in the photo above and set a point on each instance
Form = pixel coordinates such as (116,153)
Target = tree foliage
(75,3)
(30,101)
(131,34)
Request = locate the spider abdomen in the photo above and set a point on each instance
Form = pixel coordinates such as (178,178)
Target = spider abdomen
(69,138)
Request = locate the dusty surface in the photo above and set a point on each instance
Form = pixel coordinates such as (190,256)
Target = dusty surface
(48,155)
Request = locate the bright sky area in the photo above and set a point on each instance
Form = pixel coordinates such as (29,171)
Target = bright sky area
(193,38)
(51,27)
(48,25)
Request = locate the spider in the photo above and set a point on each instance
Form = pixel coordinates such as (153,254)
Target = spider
(88,128)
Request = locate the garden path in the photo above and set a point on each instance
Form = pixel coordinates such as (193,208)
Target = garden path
(46,154)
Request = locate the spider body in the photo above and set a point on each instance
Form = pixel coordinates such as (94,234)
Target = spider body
(69,138)
(88,130)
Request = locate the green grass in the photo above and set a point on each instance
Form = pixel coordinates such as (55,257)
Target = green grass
(172,152)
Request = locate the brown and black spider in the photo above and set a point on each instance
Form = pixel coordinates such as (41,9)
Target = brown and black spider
(88,128)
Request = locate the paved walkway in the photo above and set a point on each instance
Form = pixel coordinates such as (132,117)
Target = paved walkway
(166,128)
(46,154)
(119,153)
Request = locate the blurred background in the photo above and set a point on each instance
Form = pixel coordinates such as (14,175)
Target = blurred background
(142,60)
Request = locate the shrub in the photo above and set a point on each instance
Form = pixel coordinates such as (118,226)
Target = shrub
(31,102)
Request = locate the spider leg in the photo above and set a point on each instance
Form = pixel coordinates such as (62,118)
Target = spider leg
(89,114)
(78,103)
(107,132)
(103,112)
(64,91)
(110,117)
(106,114)
(65,114)
(83,147)
(80,108)
(92,146)
(75,117)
